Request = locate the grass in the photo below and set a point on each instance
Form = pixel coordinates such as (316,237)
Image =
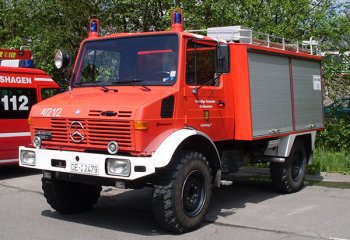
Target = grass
(329,161)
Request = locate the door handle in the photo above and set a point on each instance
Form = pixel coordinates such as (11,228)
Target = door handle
(221,103)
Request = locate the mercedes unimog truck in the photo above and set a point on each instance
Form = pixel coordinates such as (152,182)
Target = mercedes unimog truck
(176,110)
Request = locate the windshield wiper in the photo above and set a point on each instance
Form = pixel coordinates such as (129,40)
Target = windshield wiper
(132,81)
(106,89)
(128,81)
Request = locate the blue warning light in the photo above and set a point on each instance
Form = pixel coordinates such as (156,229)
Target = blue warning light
(93,26)
(177,18)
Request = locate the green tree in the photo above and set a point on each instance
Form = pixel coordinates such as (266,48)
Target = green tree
(51,24)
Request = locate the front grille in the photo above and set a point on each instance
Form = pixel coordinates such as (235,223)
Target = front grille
(120,114)
(97,133)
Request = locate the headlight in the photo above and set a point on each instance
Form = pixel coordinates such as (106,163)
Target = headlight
(61,59)
(118,167)
(37,142)
(28,158)
(112,147)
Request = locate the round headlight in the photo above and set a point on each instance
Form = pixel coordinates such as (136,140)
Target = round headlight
(37,142)
(61,59)
(58,59)
(112,147)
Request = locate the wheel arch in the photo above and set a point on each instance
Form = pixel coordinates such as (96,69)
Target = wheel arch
(203,145)
(288,142)
(187,140)
(308,143)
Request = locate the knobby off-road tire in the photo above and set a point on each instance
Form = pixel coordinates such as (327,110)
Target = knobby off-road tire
(70,197)
(182,193)
(289,177)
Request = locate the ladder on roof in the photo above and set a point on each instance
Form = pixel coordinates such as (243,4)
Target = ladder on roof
(246,35)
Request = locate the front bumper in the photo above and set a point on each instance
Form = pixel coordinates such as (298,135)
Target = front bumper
(75,161)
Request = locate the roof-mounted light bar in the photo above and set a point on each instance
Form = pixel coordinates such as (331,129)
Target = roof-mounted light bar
(12,54)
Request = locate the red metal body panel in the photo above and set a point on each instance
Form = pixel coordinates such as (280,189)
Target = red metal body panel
(241,93)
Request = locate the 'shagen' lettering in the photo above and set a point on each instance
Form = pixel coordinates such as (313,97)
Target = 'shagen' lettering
(12,79)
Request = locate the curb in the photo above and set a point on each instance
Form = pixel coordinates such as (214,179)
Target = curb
(322,177)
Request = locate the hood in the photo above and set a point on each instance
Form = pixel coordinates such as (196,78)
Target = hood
(83,102)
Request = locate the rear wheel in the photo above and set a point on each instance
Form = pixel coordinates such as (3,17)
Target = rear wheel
(70,197)
(289,176)
(182,194)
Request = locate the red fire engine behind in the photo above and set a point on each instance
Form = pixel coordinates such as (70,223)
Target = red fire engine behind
(20,88)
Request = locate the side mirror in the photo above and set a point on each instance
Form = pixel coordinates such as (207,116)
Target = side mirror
(61,59)
(222,58)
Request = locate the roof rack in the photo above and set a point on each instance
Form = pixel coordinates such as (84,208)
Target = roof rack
(246,35)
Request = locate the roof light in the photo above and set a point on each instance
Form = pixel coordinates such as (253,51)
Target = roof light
(177,21)
(27,63)
(94,28)
(177,18)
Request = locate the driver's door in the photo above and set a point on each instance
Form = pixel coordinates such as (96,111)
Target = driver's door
(204,93)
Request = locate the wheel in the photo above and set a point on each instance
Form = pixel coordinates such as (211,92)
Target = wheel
(289,176)
(70,197)
(182,193)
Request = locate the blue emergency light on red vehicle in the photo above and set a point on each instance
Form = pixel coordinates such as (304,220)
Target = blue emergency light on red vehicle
(177,17)
(94,28)
(177,21)
(16,58)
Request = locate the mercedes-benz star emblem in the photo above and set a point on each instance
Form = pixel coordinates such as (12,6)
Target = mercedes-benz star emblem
(76,132)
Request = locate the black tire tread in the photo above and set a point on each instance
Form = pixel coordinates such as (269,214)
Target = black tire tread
(163,194)
(70,197)
(279,173)
(279,178)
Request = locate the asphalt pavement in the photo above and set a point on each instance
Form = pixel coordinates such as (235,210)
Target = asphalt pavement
(246,208)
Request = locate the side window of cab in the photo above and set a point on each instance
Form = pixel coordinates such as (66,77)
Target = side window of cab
(200,64)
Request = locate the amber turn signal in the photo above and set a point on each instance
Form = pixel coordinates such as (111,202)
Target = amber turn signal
(141,125)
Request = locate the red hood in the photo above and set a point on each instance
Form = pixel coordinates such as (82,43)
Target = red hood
(80,101)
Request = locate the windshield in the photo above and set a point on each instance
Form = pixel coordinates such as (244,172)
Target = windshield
(146,60)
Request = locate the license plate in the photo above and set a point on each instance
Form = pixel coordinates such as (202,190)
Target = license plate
(84,168)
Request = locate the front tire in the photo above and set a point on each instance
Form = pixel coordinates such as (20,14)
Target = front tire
(182,193)
(70,197)
(289,177)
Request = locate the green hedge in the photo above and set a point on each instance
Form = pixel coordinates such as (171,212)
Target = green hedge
(332,153)
(336,136)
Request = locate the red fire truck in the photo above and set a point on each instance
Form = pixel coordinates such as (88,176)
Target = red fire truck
(21,86)
(174,110)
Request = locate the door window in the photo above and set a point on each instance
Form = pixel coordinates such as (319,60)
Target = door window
(200,64)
